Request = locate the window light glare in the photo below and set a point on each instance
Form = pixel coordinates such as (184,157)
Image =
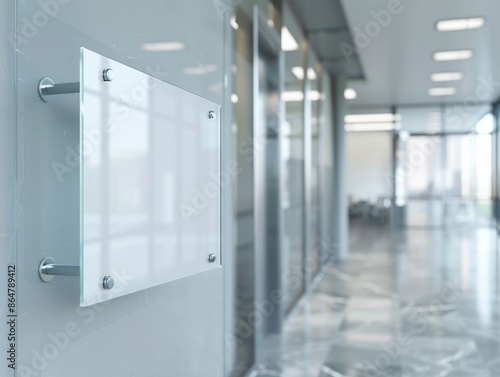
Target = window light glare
(297,95)
(288,42)
(460,24)
(452,55)
(486,124)
(163,46)
(350,94)
(442,91)
(370,127)
(447,76)
(372,118)
(293,96)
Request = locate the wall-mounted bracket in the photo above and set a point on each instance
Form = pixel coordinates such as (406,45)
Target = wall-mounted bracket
(48,269)
(47,88)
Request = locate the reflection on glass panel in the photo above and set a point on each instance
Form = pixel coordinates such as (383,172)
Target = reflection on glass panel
(459,149)
(453,173)
(292,150)
(270,12)
(425,213)
(243,139)
(483,166)
(314,224)
(421,120)
(424,173)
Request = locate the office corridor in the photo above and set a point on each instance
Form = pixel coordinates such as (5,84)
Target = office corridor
(423,302)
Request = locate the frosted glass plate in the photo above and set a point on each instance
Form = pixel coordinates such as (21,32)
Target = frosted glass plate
(150,181)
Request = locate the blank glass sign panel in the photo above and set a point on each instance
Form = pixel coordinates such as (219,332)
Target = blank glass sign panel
(150,181)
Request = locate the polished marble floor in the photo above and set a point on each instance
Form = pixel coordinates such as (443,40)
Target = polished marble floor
(424,302)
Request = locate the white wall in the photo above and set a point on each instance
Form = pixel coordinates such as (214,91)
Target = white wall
(368,165)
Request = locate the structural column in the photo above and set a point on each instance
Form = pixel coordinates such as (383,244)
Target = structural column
(339,200)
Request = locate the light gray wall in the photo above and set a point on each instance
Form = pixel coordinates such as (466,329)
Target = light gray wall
(7,167)
(171,330)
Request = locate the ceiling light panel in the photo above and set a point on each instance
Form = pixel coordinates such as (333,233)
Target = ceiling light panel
(442,91)
(460,24)
(447,76)
(441,56)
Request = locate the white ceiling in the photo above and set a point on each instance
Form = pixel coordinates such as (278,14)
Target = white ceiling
(398,62)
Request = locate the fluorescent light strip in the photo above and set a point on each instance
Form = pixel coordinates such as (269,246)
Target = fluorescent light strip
(163,46)
(441,56)
(442,91)
(371,118)
(288,42)
(350,94)
(299,73)
(371,127)
(460,24)
(447,76)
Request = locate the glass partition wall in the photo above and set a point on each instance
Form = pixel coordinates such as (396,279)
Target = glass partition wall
(314,75)
(278,128)
(293,161)
(447,166)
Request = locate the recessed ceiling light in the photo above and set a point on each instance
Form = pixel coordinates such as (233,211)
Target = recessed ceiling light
(452,55)
(372,118)
(163,46)
(460,24)
(442,91)
(288,42)
(299,73)
(350,94)
(447,76)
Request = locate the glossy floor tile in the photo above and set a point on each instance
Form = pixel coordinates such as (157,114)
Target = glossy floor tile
(415,303)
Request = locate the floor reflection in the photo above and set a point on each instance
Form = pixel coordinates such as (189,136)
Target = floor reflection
(424,302)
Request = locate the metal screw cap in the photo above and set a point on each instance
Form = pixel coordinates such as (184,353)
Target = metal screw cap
(212,115)
(108,74)
(108,282)
(212,258)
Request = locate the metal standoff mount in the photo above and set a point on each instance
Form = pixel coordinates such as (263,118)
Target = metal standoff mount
(47,87)
(48,269)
